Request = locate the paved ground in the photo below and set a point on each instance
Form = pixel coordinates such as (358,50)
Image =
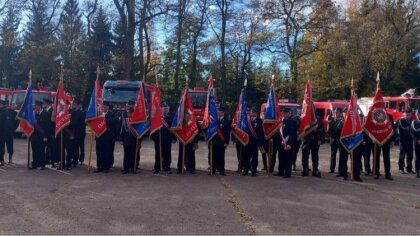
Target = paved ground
(78,202)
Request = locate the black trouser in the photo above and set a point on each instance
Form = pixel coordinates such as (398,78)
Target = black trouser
(158,155)
(334,147)
(53,150)
(275,152)
(38,152)
(9,144)
(129,153)
(70,154)
(250,160)
(2,151)
(189,157)
(342,162)
(357,160)
(295,152)
(104,152)
(218,156)
(406,149)
(366,156)
(285,161)
(312,148)
(111,157)
(264,155)
(417,151)
(239,154)
(80,149)
(386,156)
(165,151)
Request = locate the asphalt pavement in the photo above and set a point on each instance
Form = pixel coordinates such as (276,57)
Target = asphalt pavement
(78,202)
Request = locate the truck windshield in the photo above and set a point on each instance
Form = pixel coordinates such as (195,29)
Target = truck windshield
(120,95)
(414,104)
(198,100)
(18,97)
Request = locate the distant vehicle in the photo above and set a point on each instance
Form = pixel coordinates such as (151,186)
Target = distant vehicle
(5,94)
(119,92)
(18,97)
(284,103)
(396,106)
(364,104)
(198,97)
(324,109)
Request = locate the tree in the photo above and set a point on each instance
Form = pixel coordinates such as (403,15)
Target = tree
(10,47)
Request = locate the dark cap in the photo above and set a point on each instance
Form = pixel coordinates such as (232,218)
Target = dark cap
(337,109)
(221,108)
(254,109)
(106,103)
(131,102)
(38,103)
(164,105)
(47,100)
(286,109)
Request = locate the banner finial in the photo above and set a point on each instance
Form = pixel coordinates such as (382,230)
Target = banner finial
(98,71)
(378,80)
(272,79)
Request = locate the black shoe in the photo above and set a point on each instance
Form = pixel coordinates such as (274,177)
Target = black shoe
(388,177)
(2,163)
(411,172)
(81,163)
(192,172)
(10,161)
(339,175)
(418,175)
(358,179)
(316,174)
(124,172)
(286,176)
(106,171)
(402,172)
(97,171)
(345,178)
(68,168)
(279,174)
(263,169)
(253,174)
(367,173)
(156,172)
(376,177)
(32,167)
(331,172)
(294,169)
(42,168)
(222,174)
(245,173)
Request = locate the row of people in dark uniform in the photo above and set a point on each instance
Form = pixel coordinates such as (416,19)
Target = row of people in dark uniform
(284,148)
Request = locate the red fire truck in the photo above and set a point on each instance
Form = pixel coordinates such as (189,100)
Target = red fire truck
(284,103)
(198,98)
(395,106)
(5,94)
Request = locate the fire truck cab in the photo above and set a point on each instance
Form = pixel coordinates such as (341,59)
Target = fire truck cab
(396,106)
(198,97)
(5,94)
(284,103)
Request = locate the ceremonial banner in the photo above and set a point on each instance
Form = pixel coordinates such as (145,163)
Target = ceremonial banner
(239,123)
(61,113)
(210,114)
(308,118)
(139,120)
(94,117)
(26,113)
(155,112)
(377,125)
(351,134)
(184,124)
(272,116)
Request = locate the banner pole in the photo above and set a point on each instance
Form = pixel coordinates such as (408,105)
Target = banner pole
(268,158)
(160,149)
(183,158)
(352,163)
(90,151)
(135,155)
(374,159)
(240,158)
(62,151)
(211,157)
(29,151)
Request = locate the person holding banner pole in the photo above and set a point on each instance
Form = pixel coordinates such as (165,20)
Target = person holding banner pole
(255,133)
(39,137)
(220,142)
(415,134)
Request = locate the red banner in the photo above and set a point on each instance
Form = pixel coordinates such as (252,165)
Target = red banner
(155,112)
(377,124)
(94,117)
(140,109)
(61,112)
(189,127)
(308,118)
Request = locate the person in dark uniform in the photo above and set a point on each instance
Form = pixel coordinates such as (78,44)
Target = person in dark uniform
(298,143)
(52,154)
(104,144)
(358,152)
(11,124)
(310,145)
(255,133)
(385,149)
(128,138)
(167,138)
(287,141)
(39,137)
(415,134)
(3,115)
(335,124)
(190,149)
(220,141)
(80,137)
(406,143)
(77,123)
(239,153)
